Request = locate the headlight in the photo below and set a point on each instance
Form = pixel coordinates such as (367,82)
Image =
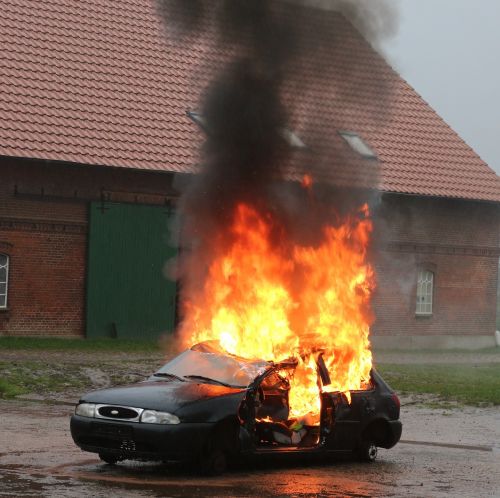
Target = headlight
(154,417)
(85,410)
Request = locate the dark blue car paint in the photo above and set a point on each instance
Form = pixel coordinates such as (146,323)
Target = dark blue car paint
(205,408)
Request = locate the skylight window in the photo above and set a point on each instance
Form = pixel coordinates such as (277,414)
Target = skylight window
(289,136)
(198,119)
(293,139)
(358,145)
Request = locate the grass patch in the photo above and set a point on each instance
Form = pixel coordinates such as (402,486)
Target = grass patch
(475,385)
(416,352)
(446,406)
(38,378)
(91,345)
(49,378)
(10,390)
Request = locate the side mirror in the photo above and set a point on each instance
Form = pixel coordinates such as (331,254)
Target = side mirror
(323,371)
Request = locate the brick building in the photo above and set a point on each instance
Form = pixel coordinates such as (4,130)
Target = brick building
(451,244)
(62,269)
(95,138)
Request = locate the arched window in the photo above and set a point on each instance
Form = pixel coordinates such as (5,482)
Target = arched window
(4,280)
(425,291)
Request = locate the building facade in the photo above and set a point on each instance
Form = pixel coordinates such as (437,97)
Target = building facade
(95,133)
(437,271)
(436,264)
(84,249)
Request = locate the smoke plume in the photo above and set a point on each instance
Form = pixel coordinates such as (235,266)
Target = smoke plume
(376,20)
(253,100)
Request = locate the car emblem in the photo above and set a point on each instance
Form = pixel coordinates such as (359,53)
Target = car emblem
(114,412)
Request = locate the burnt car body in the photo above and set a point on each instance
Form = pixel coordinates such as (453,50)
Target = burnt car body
(210,406)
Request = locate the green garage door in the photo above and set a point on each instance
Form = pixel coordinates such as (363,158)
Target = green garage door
(128,295)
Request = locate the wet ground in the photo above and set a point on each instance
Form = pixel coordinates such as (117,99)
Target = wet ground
(450,453)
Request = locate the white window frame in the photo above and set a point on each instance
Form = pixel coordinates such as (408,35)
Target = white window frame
(288,135)
(358,144)
(425,292)
(293,139)
(199,119)
(3,305)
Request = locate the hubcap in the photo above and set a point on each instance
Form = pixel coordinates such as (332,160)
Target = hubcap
(372,452)
(219,463)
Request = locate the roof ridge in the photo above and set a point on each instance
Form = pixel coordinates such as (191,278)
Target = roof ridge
(101,81)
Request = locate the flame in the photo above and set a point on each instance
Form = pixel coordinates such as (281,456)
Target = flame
(307,182)
(266,297)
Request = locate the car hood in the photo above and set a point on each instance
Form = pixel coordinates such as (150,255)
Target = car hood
(169,396)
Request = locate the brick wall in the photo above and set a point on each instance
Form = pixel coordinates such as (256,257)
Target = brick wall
(46,284)
(43,229)
(458,241)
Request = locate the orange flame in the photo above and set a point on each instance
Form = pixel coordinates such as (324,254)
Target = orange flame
(307,182)
(275,300)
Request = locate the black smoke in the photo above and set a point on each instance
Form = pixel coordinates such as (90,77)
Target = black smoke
(242,107)
(245,156)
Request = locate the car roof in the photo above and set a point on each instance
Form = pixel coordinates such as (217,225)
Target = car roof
(214,346)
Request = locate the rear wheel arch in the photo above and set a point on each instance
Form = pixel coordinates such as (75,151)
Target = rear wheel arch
(377,432)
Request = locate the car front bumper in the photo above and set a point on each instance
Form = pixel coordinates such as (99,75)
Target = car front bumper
(133,440)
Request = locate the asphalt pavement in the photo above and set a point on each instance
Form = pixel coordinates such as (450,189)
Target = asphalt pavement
(39,459)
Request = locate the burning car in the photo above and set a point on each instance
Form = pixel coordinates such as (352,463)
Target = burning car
(212,406)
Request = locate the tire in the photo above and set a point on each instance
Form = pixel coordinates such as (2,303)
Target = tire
(367,452)
(108,458)
(214,461)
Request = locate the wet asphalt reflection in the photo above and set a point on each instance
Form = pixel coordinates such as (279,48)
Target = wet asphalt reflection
(39,459)
(265,478)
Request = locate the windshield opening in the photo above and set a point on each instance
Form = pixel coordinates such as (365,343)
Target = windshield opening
(221,368)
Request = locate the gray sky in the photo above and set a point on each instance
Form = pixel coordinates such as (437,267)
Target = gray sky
(448,50)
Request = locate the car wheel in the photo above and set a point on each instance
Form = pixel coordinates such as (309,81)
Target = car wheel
(367,452)
(108,458)
(214,462)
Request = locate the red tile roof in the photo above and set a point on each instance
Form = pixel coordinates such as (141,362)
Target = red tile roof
(97,82)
